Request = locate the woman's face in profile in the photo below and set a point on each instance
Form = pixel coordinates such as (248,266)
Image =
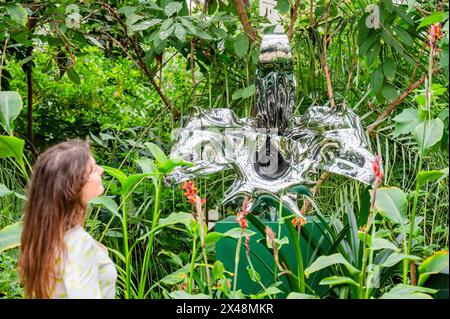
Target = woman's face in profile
(93,186)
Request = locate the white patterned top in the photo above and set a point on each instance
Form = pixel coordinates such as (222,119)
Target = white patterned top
(87,271)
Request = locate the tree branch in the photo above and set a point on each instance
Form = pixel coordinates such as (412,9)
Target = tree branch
(244,20)
(323,58)
(141,62)
(399,100)
(293,18)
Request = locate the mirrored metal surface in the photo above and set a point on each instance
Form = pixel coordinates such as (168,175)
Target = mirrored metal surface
(275,151)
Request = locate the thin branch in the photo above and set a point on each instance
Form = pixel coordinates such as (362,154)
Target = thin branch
(3,61)
(311,12)
(323,58)
(293,18)
(141,62)
(191,57)
(147,72)
(399,100)
(191,60)
(244,20)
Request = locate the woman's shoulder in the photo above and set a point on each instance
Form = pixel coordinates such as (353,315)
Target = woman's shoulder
(78,239)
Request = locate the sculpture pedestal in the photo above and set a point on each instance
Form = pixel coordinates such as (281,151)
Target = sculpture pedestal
(262,258)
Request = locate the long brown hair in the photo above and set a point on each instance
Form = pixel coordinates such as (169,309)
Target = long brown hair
(53,206)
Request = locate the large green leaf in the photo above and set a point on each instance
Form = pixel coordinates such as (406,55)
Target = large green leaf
(238,232)
(177,276)
(132,19)
(164,34)
(108,203)
(326,261)
(241,44)
(402,291)
(395,258)
(389,92)
(213,237)
(267,292)
(283,6)
(180,32)
(17,13)
(188,24)
(10,236)
(435,17)
(131,182)
(171,163)
(157,153)
(172,8)
(4,191)
(338,280)
(428,133)
(217,270)
(429,176)
(373,53)
(116,173)
(432,265)
(177,218)
(381,243)
(11,146)
(403,35)
(389,69)
(297,295)
(144,25)
(147,165)
(10,106)
(391,203)
(248,91)
(406,121)
(73,75)
(376,79)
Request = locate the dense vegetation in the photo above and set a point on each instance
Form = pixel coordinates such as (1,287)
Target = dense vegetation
(123,74)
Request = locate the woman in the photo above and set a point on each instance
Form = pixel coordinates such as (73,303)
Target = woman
(59,259)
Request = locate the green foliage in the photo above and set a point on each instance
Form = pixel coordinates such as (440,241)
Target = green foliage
(433,265)
(10,106)
(10,236)
(94,81)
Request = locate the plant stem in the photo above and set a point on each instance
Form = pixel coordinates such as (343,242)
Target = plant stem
(126,248)
(227,93)
(370,263)
(236,261)
(149,249)
(194,255)
(411,227)
(362,275)
(202,225)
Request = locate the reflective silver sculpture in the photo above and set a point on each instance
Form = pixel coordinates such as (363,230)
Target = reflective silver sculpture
(275,151)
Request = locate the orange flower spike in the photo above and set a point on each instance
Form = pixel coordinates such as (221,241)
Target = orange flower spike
(192,192)
(302,220)
(298,222)
(242,214)
(435,33)
(270,235)
(376,164)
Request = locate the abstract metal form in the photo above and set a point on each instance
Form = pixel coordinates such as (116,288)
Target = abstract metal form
(275,151)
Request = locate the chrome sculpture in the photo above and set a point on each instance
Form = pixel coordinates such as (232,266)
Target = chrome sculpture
(275,151)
